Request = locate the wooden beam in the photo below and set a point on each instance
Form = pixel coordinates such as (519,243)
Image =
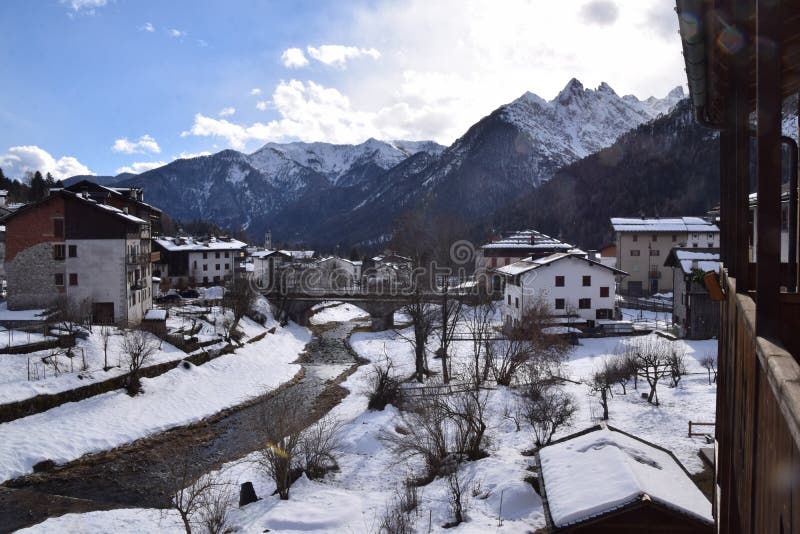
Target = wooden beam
(768,100)
(741,78)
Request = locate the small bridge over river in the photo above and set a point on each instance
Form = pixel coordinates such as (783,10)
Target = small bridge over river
(297,304)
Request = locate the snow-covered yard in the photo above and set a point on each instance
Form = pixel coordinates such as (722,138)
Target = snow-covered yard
(178,397)
(355,498)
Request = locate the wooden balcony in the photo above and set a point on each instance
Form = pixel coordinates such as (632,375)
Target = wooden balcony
(758,419)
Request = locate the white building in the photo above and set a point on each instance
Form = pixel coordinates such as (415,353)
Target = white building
(570,284)
(265,262)
(192,261)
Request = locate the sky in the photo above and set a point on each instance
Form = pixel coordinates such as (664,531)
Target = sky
(110,86)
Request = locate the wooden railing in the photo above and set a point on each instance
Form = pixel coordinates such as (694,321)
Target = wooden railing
(758,424)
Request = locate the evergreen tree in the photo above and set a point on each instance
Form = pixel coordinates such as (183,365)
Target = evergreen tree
(38,188)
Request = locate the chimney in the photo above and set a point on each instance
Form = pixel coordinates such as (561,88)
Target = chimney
(268,240)
(695,265)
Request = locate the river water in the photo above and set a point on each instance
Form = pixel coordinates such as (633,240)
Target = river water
(137,475)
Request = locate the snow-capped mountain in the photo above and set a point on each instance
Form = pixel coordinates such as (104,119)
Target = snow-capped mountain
(313,192)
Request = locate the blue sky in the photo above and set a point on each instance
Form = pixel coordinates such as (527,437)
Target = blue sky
(110,85)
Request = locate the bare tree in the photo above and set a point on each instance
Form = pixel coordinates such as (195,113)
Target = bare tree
(478,321)
(423,435)
(138,348)
(466,412)
(710,365)
(677,367)
(653,361)
(423,319)
(548,351)
(105,337)
(622,369)
(240,299)
(71,316)
(457,498)
(600,383)
(451,310)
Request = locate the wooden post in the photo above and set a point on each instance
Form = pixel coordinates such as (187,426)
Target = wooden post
(741,155)
(768,106)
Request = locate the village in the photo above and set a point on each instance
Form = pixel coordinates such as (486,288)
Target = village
(528,346)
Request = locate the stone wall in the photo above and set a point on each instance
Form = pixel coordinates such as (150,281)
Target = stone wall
(31,278)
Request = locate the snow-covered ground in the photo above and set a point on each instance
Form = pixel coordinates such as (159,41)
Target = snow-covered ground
(355,498)
(15,385)
(332,313)
(178,397)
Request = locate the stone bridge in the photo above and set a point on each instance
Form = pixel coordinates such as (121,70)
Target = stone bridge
(296,305)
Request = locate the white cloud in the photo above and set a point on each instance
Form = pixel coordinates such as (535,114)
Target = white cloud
(255,91)
(176,33)
(601,12)
(436,84)
(294,57)
(339,55)
(148,27)
(21,159)
(141,166)
(145,143)
(88,6)
(226,112)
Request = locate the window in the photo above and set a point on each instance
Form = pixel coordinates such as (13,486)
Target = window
(710,236)
(604,291)
(494,262)
(205,266)
(216,278)
(710,245)
(585,304)
(674,238)
(508,260)
(604,314)
(695,236)
(59,251)
(73,279)
(205,279)
(58,227)
(216,255)
(654,252)
(587,280)
(516,302)
(73,251)
(227,266)
(509,300)
(560,304)
(227,254)
(59,279)
(695,245)
(217,267)
(655,237)
(559,281)
(635,238)
(205,255)
(634,252)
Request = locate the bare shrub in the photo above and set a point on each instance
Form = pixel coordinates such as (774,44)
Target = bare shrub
(385,388)
(466,413)
(240,299)
(545,406)
(423,435)
(319,444)
(622,369)
(478,321)
(105,337)
(450,314)
(456,498)
(282,422)
(600,384)
(396,520)
(138,348)
(507,356)
(201,502)
(677,367)
(710,365)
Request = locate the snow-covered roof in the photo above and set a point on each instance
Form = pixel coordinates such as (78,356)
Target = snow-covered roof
(592,473)
(688,259)
(529,264)
(155,315)
(188,244)
(663,224)
(527,239)
(299,254)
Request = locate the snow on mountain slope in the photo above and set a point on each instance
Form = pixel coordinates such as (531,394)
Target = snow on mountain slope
(335,161)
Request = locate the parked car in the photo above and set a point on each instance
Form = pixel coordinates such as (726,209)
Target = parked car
(190,294)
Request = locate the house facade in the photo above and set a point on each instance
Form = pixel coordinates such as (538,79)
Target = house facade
(190,261)
(93,254)
(643,243)
(572,285)
(513,248)
(696,315)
